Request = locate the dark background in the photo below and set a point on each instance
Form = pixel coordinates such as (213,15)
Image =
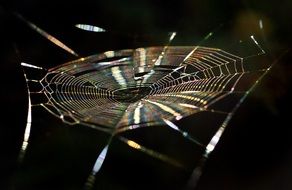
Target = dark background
(255,151)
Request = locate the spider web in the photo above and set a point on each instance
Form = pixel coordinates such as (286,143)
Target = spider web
(119,91)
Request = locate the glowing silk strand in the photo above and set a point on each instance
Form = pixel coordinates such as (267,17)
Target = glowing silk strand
(47,35)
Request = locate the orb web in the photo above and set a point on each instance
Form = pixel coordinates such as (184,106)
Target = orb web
(124,90)
(139,90)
